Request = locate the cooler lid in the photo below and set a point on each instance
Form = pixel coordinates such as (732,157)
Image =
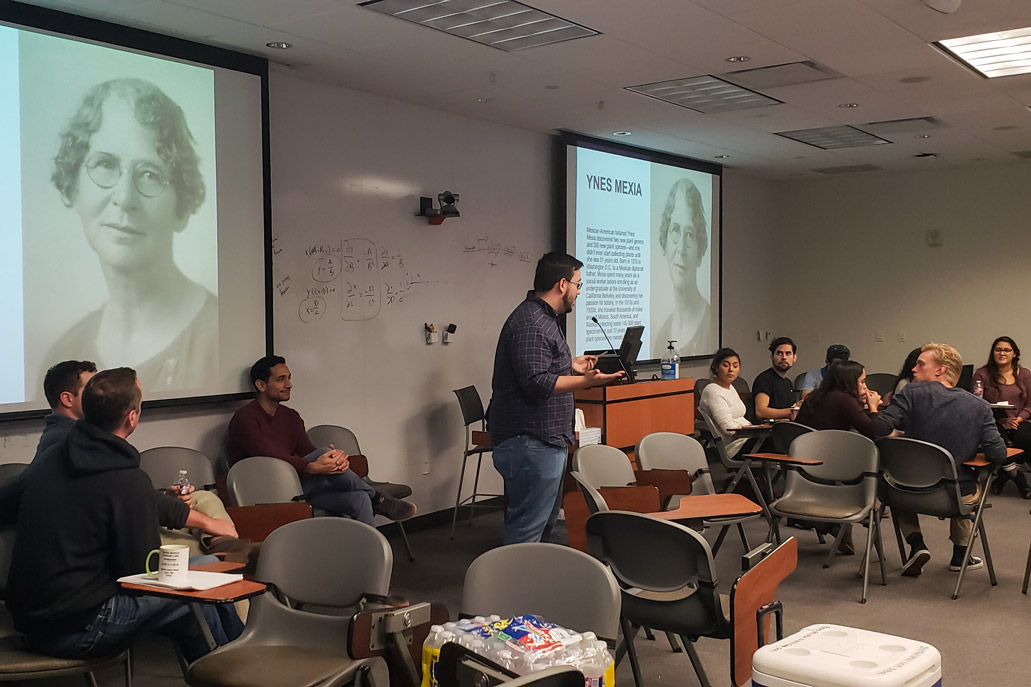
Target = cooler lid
(837,656)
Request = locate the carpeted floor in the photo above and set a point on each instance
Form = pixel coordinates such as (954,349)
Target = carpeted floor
(981,635)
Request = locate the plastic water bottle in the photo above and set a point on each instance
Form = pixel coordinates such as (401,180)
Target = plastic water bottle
(431,654)
(670,365)
(978,388)
(183,483)
(599,668)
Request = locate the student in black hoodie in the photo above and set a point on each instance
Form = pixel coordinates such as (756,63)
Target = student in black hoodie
(87,516)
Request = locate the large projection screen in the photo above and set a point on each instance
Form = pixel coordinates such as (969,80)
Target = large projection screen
(133,208)
(646,225)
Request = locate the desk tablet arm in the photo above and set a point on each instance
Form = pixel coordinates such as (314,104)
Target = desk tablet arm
(670,483)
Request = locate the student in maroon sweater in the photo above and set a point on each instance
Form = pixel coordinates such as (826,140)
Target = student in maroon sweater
(839,400)
(265,427)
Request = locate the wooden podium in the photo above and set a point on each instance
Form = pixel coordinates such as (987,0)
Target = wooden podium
(628,412)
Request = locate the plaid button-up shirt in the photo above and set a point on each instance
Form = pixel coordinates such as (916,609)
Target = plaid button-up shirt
(532,354)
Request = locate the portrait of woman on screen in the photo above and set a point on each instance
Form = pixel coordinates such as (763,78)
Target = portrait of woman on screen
(684,239)
(128,167)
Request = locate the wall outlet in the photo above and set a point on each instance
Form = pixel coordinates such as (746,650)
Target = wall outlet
(879,335)
(902,335)
(426,466)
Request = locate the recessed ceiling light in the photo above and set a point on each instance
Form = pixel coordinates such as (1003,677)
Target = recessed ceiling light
(279,45)
(721,157)
(503,24)
(914,79)
(551,87)
(926,155)
(706,94)
(621,133)
(980,159)
(1000,53)
(738,58)
(848,105)
(922,136)
(1004,127)
(484,100)
(834,137)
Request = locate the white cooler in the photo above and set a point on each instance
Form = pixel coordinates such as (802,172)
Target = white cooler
(836,656)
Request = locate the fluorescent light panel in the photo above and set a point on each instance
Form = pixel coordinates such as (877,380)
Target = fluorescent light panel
(705,94)
(501,24)
(1001,53)
(834,137)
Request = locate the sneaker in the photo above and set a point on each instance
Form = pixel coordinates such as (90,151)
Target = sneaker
(915,565)
(974,564)
(395,509)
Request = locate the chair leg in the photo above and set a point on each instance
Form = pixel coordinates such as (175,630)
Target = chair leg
(870,536)
(476,487)
(744,539)
(673,643)
(90,679)
(128,668)
(879,543)
(719,540)
(696,662)
(648,634)
(628,640)
(1027,571)
(458,496)
(404,538)
(898,536)
(834,545)
(987,554)
(819,537)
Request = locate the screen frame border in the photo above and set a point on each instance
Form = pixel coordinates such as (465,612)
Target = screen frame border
(75,26)
(567,138)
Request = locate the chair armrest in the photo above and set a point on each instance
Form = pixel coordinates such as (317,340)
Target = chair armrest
(359,465)
(481,438)
(669,482)
(637,499)
(257,522)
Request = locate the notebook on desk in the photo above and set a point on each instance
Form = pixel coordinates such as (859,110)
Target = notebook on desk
(196,580)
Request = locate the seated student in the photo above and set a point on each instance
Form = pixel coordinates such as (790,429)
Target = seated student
(839,402)
(721,401)
(62,386)
(772,390)
(835,352)
(87,516)
(265,427)
(1004,380)
(905,375)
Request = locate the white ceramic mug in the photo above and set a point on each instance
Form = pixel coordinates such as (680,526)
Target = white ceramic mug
(173,562)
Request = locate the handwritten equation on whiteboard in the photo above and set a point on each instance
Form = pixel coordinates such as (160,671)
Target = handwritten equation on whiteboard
(357,277)
(495,251)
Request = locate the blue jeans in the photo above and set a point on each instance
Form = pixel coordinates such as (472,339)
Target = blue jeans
(341,493)
(532,471)
(125,618)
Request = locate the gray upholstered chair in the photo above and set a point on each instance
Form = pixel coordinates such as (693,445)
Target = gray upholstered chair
(668,582)
(475,421)
(332,564)
(580,592)
(672,451)
(18,663)
(262,479)
(163,463)
(920,477)
(842,490)
(346,440)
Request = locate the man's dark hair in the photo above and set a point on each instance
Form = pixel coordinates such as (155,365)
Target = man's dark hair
(780,341)
(109,395)
(552,268)
(263,368)
(64,377)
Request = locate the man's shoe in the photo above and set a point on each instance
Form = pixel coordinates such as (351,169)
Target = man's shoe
(915,565)
(974,564)
(395,509)
(1020,479)
(1000,481)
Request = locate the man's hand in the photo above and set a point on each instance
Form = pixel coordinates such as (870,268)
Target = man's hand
(595,377)
(1011,422)
(331,462)
(583,363)
(186,498)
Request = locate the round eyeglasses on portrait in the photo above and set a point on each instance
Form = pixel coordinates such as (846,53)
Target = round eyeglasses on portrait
(105,170)
(675,231)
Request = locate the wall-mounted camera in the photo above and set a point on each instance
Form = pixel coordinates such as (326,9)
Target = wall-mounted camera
(448,202)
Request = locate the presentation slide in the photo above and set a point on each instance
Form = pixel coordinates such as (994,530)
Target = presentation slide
(131,217)
(647,231)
